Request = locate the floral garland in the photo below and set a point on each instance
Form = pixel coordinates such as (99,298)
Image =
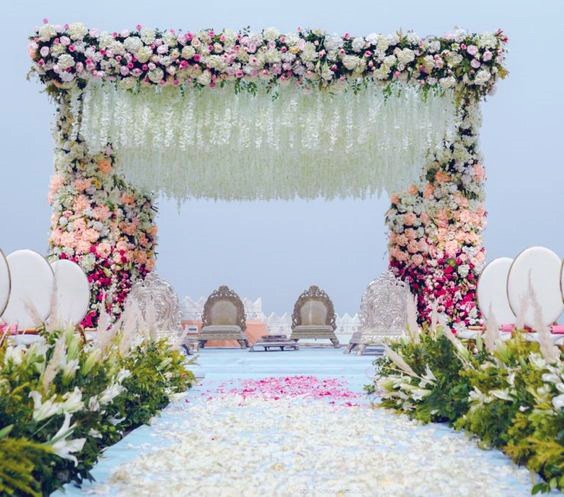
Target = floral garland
(98,220)
(435,227)
(69,55)
(435,241)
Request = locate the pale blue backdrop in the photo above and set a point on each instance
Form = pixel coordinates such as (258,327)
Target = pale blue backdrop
(276,249)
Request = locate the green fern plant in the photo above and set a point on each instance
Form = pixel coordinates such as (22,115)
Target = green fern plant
(19,457)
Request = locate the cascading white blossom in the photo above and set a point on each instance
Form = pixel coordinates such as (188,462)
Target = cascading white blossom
(217,143)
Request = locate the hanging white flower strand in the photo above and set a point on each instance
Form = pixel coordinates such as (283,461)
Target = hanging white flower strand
(217,144)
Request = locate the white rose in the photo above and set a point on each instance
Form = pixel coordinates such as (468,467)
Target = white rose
(358,44)
(133,44)
(57,49)
(105,39)
(272,56)
(65,61)
(147,35)
(390,60)
(144,54)
(66,77)
(292,39)
(216,62)
(77,31)
(117,47)
(405,55)
(413,38)
(383,43)
(487,40)
(463,270)
(434,46)
(350,61)
(447,82)
(230,37)
(170,39)
(46,32)
(333,42)
(156,75)
(372,38)
(188,52)
(482,77)
(454,59)
(205,78)
(270,34)
(309,52)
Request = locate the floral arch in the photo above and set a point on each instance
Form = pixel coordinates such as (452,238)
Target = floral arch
(144,111)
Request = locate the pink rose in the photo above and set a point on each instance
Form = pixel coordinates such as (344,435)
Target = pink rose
(472,49)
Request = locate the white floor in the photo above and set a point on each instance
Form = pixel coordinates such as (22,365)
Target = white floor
(173,455)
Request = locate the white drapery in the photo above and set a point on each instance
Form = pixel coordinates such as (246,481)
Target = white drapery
(222,144)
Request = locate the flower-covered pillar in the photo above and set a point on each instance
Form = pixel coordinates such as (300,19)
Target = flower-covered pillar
(436,227)
(98,220)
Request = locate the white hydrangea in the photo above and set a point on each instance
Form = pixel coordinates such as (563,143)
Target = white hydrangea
(383,43)
(372,38)
(230,37)
(433,46)
(390,60)
(77,31)
(132,44)
(487,40)
(46,32)
(170,39)
(65,61)
(156,75)
(358,44)
(105,39)
(309,52)
(205,78)
(453,59)
(270,34)
(57,49)
(482,77)
(144,54)
(292,39)
(117,47)
(405,55)
(447,82)
(147,35)
(216,62)
(413,38)
(351,61)
(333,42)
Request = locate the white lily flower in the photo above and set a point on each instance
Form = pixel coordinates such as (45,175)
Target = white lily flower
(66,448)
(110,393)
(72,402)
(43,410)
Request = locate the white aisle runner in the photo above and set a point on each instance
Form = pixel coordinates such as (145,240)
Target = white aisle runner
(295,424)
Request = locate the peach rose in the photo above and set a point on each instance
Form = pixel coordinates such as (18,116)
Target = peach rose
(409,219)
(91,235)
(105,165)
(442,177)
(428,191)
(104,249)
(127,198)
(81,203)
(83,247)
(479,172)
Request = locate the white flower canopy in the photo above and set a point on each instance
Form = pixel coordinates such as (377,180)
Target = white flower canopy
(223,144)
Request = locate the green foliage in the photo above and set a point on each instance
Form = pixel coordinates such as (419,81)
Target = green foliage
(106,388)
(510,398)
(446,397)
(18,458)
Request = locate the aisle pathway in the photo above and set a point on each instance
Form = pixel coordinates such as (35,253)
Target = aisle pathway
(295,424)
